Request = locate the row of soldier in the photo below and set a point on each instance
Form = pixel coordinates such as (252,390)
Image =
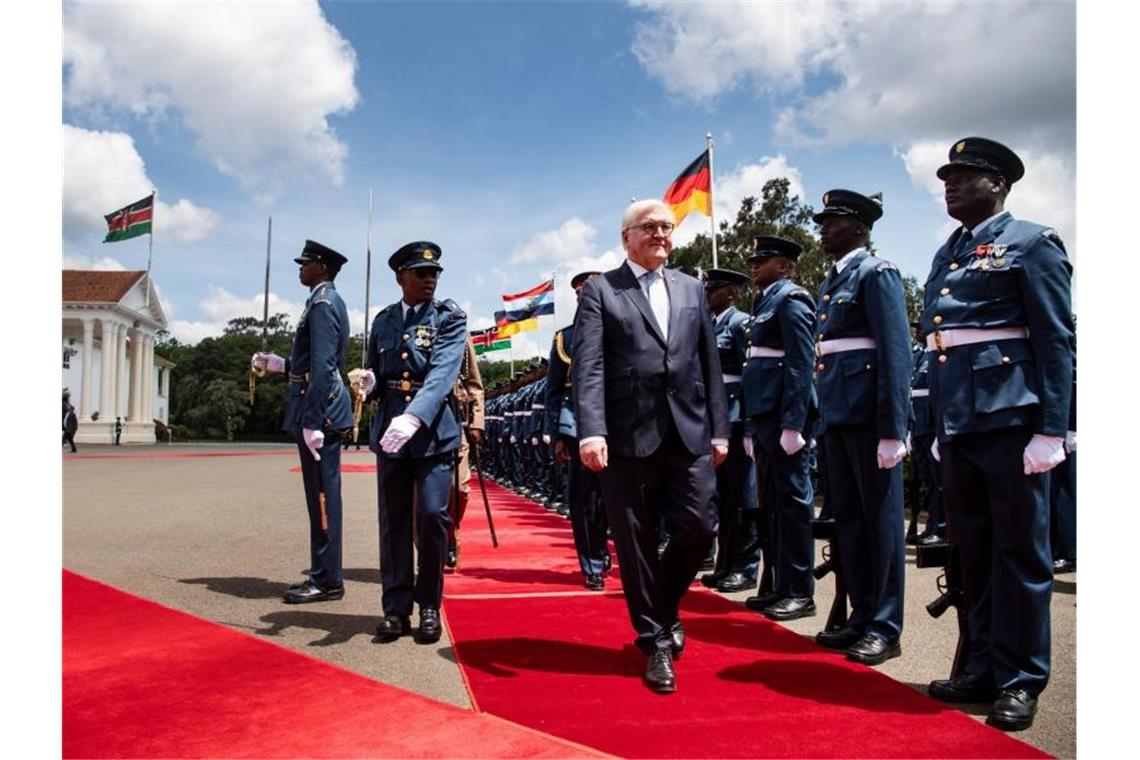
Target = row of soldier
(759,388)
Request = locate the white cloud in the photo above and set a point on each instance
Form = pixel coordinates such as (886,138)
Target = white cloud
(102,264)
(220,306)
(102,172)
(572,240)
(255,82)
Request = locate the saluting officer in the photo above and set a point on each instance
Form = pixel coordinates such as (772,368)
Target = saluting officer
(414,351)
(781,407)
(863,379)
(998,321)
(318,411)
(736,549)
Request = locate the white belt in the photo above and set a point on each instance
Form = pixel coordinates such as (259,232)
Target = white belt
(522,414)
(538,406)
(919,392)
(731,378)
(763,352)
(825,347)
(941,340)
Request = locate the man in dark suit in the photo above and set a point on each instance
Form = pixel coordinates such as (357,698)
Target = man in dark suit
(652,419)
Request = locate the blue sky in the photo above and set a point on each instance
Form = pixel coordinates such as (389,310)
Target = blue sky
(514,134)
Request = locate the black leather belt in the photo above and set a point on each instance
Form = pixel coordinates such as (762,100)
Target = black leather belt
(301,378)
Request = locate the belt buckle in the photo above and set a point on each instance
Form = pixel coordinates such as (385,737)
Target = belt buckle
(405,385)
(938,341)
(819,349)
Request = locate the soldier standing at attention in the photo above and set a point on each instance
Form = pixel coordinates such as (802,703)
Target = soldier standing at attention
(318,411)
(999,325)
(469,395)
(414,351)
(863,379)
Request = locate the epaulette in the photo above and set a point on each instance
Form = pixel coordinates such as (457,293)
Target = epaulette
(886,266)
(449,305)
(798,291)
(1051,235)
(321,297)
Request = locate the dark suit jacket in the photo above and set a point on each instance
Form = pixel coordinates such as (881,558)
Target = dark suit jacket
(628,384)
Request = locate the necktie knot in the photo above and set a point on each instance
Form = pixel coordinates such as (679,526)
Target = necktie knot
(410,316)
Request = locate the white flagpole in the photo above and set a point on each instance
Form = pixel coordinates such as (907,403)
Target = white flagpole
(712,204)
(150,248)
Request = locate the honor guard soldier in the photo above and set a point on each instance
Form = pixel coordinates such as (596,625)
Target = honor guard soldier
(781,407)
(927,472)
(318,410)
(469,396)
(863,379)
(414,352)
(583,493)
(737,547)
(999,326)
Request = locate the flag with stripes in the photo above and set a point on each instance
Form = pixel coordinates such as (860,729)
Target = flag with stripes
(130,221)
(489,340)
(691,190)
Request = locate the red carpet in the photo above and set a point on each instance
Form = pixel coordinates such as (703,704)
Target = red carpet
(747,687)
(142,680)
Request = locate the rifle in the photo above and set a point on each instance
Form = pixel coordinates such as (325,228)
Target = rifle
(256,373)
(824,529)
(358,394)
(952,593)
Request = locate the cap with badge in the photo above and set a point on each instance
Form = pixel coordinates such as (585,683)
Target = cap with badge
(770,245)
(416,256)
(579,279)
(982,154)
(867,209)
(314,251)
(719,278)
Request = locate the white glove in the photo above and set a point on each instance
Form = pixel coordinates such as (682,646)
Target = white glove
(314,439)
(546,438)
(399,431)
(934,452)
(267,362)
(791,441)
(1070,441)
(363,379)
(1043,453)
(534,440)
(514,439)
(909,447)
(891,451)
(749,447)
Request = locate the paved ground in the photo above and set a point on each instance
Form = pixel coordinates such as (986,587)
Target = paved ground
(222,536)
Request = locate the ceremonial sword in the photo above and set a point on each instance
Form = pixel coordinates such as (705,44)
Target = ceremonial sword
(256,373)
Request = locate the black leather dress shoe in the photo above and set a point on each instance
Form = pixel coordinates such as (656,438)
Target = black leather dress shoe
(791,608)
(451,559)
(763,602)
(430,629)
(311,592)
(1013,710)
(607,563)
(659,675)
(677,633)
(838,639)
(734,582)
(931,539)
(873,650)
(964,688)
(709,563)
(595,582)
(298,585)
(709,580)
(393,627)
(1064,566)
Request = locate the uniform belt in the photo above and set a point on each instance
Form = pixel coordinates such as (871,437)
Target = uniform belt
(538,406)
(299,378)
(730,378)
(837,345)
(764,352)
(941,340)
(919,392)
(405,385)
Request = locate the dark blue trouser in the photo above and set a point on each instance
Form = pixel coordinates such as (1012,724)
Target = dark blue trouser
(929,473)
(587,518)
(999,518)
(789,495)
(323,477)
(1063,508)
(868,511)
(413,490)
(736,495)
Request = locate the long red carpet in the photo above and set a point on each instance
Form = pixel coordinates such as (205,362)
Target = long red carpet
(141,680)
(537,652)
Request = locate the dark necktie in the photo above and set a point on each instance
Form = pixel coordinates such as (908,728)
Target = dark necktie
(963,243)
(410,317)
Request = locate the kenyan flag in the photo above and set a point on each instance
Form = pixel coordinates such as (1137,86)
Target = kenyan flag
(130,221)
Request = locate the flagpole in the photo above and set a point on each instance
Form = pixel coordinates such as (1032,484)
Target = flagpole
(712,204)
(149,250)
(367,278)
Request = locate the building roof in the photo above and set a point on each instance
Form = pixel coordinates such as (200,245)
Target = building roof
(89,286)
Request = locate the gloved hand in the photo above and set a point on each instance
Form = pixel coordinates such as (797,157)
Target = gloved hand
(399,431)
(534,440)
(546,438)
(934,452)
(890,452)
(1043,453)
(909,447)
(791,441)
(268,362)
(314,439)
(749,447)
(364,379)
(514,439)
(1070,441)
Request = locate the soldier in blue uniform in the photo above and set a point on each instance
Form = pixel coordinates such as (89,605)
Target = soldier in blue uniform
(781,407)
(863,380)
(318,411)
(737,546)
(414,353)
(999,326)
(1063,495)
(926,471)
(583,492)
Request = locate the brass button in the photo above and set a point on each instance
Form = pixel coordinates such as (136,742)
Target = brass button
(953,266)
(403,354)
(822,317)
(779,364)
(942,358)
(1005,360)
(945,291)
(406,373)
(407,398)
(827,297)
(819,367)
(405,336)
(868,366)
(938,320)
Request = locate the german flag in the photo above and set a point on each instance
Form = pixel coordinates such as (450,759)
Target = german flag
(691,190)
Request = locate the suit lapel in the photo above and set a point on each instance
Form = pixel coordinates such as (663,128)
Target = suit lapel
(627,281)
(675,291)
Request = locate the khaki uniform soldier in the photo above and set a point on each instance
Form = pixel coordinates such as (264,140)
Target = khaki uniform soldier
(469,394)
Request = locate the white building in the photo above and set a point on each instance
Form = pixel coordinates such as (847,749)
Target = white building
(109,365)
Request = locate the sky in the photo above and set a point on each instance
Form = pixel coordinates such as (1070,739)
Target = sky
(514,134)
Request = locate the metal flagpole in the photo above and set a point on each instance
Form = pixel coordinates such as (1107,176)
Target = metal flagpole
(149,249)
(367,278)
(712,204)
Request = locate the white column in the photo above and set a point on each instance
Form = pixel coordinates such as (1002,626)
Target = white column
(134,394)
(107,371)
(148,379)
(88,354)
(121,373)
